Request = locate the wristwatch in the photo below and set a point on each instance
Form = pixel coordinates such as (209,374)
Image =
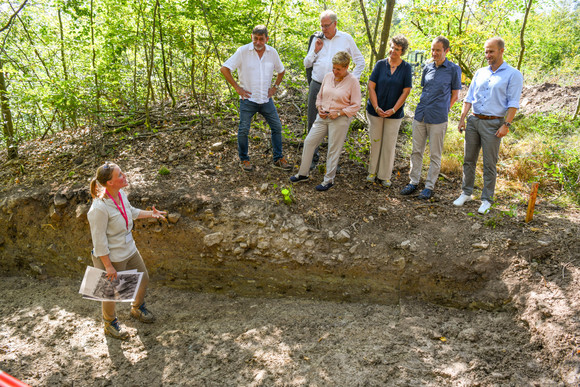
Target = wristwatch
(507,124)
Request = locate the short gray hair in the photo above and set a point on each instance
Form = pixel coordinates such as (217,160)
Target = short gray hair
(341,58)
(260,30)
(330,14)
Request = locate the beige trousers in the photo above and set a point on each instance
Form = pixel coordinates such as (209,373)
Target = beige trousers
(336,130)
(133,262)
(383,135)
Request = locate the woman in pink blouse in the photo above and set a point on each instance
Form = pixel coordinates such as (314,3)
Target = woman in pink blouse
(338,101)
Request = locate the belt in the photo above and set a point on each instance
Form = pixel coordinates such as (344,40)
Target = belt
(484,117)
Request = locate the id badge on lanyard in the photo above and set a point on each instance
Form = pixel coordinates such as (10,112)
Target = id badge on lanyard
(129,235)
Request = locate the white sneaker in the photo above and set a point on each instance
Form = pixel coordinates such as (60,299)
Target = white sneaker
(484,208)
(462,200)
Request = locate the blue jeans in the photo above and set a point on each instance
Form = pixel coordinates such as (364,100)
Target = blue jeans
(247,110)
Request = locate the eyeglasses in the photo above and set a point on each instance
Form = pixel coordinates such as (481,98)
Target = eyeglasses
(106,166)
(325,26)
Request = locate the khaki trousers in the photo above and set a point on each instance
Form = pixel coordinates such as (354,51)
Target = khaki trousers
(422,132)
(336,130)
(383,135)
(133,262)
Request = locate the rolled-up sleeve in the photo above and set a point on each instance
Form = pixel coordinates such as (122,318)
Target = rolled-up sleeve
(234,61)
(98,221)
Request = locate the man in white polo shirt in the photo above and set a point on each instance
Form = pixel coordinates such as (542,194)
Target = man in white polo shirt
(320,56)
(256,63)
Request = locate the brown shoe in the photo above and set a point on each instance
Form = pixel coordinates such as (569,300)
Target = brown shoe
(113,329)
(246,166)
(142,314)
(282,164)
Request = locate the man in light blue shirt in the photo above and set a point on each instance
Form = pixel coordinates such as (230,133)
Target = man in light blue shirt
(441,82)
(494,95)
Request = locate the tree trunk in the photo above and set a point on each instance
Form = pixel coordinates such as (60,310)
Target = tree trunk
(150,69)
(577,109)
(522,42)
(386,29)
(65,74)
(93,61)
(192,74)
(368,29)
(7,125)
(375,33)
(165,77)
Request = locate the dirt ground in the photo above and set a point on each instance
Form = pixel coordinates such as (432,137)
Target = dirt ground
(51,336)
(517,285)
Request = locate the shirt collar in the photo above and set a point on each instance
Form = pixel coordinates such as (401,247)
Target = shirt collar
(444,64)
(503,66)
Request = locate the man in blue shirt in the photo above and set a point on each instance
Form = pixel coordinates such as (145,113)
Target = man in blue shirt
(494,95)
(441,82)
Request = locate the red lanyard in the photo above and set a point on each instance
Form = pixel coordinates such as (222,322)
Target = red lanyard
(124,212)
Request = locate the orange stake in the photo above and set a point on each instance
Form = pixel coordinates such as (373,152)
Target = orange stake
(532,202)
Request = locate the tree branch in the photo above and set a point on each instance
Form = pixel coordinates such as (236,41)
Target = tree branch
(13,16)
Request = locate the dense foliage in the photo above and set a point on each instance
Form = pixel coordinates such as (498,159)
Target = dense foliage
(69,63)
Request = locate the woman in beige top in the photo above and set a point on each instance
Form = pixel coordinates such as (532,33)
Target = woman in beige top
(338,101)
(111,220)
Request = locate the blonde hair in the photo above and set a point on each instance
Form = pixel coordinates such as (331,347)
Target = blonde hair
(104,173)
(341,58)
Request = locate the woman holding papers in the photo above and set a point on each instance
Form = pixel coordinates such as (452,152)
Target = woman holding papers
(111,220)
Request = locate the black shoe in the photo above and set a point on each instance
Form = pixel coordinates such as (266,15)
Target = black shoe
(324,187)
(426,194)
(409,189)
(298,178)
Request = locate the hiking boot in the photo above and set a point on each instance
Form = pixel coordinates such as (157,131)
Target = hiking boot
(246,166)
(113,329)
(386,183)
(371,177)
(298,178)
(324,187)
(282,164)
(142,314)
(426,194)
(409,189)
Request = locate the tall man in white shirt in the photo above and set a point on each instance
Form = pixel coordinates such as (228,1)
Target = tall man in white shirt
(256,63)
(320,56)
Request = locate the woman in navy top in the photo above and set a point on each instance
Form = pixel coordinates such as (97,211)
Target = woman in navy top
(389,85)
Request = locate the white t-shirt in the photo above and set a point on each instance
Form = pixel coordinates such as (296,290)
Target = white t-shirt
(255,73)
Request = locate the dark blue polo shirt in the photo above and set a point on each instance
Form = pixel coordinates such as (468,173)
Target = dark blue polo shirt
(437,83)
(389,87)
